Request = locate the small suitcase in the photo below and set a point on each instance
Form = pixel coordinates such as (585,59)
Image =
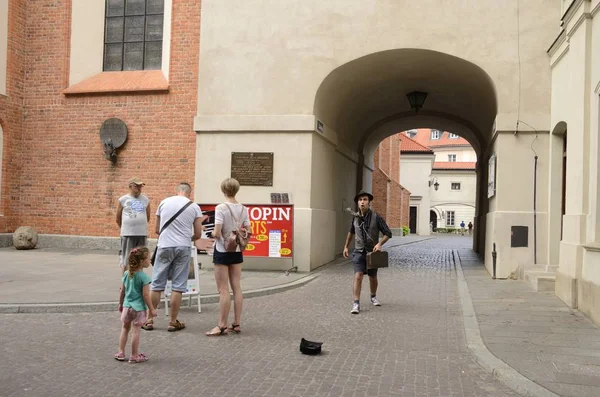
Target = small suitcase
(378,259)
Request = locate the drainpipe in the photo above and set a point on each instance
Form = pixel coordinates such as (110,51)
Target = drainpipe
(494,255)
(534,210)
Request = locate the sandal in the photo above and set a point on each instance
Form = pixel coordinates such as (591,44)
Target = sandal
(234,328)
(175,326)
(140,358)
(148,325)
(222,331)
(120,356)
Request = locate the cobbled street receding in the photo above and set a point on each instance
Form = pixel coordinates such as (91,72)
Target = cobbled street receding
(413,345)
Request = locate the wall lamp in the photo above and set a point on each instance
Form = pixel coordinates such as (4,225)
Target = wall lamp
(435,183)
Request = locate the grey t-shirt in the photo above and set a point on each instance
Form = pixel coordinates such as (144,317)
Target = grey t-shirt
(179,233)
(134,220)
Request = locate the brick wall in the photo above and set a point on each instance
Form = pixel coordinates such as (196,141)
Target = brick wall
(391,200)
(11,114)
(64,184)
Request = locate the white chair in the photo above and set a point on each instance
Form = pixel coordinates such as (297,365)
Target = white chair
(193,285)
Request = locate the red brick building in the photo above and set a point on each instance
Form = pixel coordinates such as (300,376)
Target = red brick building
(55,176)
(391,199)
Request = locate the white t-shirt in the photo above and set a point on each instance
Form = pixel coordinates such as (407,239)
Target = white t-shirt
(134,220)
(179,233)
(223,217)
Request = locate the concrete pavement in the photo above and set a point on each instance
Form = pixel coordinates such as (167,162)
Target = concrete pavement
(413,345)
(78,280)
(534,333)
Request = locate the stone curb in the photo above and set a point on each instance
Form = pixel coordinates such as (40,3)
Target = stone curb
(490,363)
(111,306)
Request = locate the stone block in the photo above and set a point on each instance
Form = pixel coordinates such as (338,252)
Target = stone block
(25,238)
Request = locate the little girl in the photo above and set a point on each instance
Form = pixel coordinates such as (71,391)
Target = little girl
(133,303)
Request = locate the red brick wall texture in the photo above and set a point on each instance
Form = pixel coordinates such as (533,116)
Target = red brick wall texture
(55,176)
(391,200)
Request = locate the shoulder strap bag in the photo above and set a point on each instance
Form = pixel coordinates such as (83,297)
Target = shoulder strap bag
(153,258)
(239,236)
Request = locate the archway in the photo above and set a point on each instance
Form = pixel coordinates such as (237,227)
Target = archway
(557,187)
(364,101)
(433,220)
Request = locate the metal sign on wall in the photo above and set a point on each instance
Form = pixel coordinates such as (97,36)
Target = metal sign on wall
(252,169)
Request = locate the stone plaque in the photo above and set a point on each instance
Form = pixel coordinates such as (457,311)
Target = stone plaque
(115,131)
(252,169)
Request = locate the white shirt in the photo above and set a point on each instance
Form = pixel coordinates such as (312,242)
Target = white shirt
(223,217)
(179,233)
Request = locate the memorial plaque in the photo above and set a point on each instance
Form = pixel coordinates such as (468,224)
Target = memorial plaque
(252,169)
(115,131)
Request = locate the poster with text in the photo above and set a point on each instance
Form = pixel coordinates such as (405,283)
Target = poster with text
(272,228)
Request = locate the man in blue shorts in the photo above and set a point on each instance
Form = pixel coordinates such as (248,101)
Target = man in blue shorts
(366,227)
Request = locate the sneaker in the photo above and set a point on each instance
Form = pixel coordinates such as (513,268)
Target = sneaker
(375,301)
(355,308)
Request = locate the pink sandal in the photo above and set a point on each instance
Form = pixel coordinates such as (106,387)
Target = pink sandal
(140,358)
(120,356)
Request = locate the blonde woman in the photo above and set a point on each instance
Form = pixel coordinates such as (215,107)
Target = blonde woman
(228,265)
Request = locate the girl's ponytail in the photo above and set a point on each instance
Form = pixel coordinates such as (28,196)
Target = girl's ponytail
(136,258)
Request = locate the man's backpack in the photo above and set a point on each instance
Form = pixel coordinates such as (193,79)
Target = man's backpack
(239,236)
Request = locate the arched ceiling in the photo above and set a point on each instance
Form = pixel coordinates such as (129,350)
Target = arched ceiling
(364,99)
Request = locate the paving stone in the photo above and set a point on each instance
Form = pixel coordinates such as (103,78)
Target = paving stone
(413,345)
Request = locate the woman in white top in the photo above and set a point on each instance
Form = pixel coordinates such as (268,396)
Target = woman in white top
(228,265)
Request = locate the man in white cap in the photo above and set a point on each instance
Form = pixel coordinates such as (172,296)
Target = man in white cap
(133,214)
(366,226)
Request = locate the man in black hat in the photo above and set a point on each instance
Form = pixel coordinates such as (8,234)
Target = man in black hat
(366,227)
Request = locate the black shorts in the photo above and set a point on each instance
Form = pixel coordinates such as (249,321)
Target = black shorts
(227,258)
(359,259)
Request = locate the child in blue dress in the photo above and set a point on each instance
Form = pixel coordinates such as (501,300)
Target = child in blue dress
(133,303)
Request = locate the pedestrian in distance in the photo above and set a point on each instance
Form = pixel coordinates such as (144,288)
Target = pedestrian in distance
(470,226)
(230,217)
(134,300)
(462,228)
(366,227)
(133,215)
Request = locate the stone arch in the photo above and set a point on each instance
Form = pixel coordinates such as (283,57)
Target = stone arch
(364,101)
(361,97)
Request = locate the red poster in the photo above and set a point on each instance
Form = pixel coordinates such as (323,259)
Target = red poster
(272,229)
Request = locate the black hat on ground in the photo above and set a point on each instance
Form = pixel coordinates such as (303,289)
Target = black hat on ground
(363,193)
(309,347)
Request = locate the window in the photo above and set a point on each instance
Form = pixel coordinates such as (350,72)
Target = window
(411,133)
(449,218)
(452,158)
(133,34)
(435,134)
(453,136)
(455,186)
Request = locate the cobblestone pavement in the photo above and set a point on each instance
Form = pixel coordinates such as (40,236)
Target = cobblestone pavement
(413,345)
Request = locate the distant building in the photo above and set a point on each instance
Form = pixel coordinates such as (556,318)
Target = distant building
(447,163)
(416,162)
